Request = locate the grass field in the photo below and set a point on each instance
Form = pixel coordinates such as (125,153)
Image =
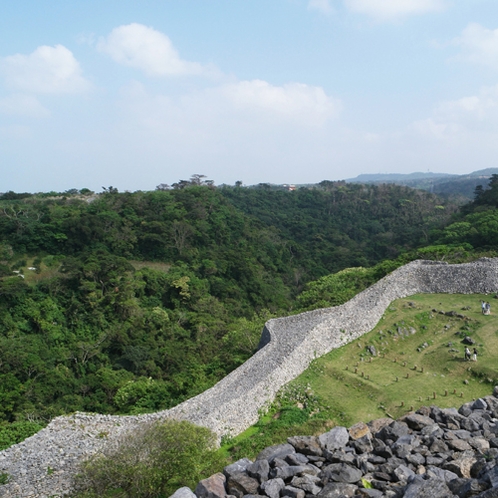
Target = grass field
(419,361)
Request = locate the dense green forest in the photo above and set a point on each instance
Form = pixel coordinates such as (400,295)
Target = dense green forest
(132,302)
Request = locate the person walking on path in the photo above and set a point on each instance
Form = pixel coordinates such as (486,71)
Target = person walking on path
(474,356)
(467,354)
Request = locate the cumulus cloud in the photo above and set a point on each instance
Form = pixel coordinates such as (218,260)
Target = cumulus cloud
(48,70)
(322,6)
(385,10)
(479,45)
(475,113)
(144,48)
(22,105)
(293,100)
(244,104)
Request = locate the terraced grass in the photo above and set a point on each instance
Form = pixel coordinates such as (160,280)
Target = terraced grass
(419,361)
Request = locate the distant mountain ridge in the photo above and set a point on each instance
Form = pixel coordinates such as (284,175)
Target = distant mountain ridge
(444,184)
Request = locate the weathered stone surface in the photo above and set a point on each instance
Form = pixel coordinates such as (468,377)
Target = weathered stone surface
(430,488)
(236,467)
(464,488)
(241,484)
(307,483)
(212,487)
(273,487)
(458,445)
(363,444)
(259,470)
(461,466)
(444,474)
(338,490)
(307,445)
(340,472)
(296,459)
(359,430)
(287,472)
(403,473)
(276,451)
(336,438)
(417,422)
(293,492)
(184,492)
(378,424)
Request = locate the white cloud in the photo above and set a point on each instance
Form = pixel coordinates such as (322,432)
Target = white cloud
(144,48)
(385,10)
(458,118)
(46,70)
(22,105)
(322,6)
(310,104)
(252,130)
(479,45)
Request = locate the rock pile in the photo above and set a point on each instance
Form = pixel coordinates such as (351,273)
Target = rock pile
(431,453)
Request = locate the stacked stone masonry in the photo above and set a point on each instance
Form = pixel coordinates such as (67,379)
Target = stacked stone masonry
(287,347)
(433,453)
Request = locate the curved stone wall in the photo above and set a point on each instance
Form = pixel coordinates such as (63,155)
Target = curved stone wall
(233,404)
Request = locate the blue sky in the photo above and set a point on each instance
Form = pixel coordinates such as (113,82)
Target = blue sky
(134,94)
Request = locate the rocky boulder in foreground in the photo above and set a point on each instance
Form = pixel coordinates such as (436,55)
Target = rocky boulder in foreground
(433,453)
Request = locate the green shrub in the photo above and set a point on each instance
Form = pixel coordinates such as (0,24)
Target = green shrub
(151,462)
(16,432)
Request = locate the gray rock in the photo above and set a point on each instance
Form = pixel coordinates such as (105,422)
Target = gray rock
(184,492)
(241,484)
(370,493)
(363,444)
(287,472)
(277,451)
(293,492)
(418,422)
(307,445)
(296,459)
(307,483)
(464,488)
(489,493)
(393,431)
(462,465)
(458,445)
(339,456)
(237,467)
(492,476)
(446,475)
(341,472)
(372,350)
(430,488)
(403,473)
(479,404)
(338,490)
(336,438)
(259,470)
(273,487)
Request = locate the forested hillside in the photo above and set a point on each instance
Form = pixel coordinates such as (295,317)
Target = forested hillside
(132,302)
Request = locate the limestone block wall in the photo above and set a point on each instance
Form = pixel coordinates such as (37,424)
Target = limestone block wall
(288,345)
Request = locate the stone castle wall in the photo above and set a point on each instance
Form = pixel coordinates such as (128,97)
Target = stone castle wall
(233,404)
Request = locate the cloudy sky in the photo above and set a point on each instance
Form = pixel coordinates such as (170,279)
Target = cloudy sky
(132,94)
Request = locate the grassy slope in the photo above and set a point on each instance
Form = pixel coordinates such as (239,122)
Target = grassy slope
(332,392)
